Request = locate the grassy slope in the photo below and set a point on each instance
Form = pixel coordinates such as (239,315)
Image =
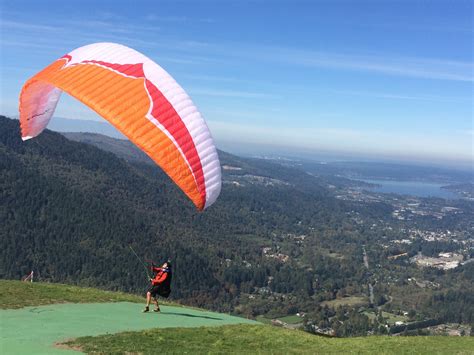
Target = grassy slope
(17,294)
(266,339)
(294,319)
(224,339)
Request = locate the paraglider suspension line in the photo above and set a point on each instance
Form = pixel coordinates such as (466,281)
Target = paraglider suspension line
(141,262)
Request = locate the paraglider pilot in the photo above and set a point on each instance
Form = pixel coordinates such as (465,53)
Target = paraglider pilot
(160,285)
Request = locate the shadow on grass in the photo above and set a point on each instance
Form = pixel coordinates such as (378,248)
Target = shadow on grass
(190,315)
(36,310)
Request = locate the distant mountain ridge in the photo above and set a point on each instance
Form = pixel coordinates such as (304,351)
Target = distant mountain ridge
(277,242)
(232,166)
(71,210)
(121,147)
(61,124)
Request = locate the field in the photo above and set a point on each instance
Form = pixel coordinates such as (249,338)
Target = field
(349,301)
(390,317)
(61,317)
(294,319)
(56,313)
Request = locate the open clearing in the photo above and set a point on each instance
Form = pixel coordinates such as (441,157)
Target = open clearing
(389,317)
(349,301)
(60,314)
(35,330)
(294,319)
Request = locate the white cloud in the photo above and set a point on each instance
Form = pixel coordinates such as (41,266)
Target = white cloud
(177,19)
(385,95)
(158,18)
(18,25)
(233,93)
(426,68)
(416,67)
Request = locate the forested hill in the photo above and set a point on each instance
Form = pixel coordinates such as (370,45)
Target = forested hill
(277,243)
(233,166)
(70,211)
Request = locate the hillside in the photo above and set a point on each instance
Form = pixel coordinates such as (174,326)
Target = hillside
(235,169)
(53,313)
(39,294)
(280,245)
(264,339)
(100,327)
(72,210)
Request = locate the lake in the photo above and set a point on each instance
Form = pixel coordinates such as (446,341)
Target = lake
(412,188)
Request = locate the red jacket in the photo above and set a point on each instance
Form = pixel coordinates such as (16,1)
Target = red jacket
(161,275)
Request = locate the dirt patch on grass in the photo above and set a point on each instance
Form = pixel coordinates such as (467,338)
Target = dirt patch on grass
(65,346)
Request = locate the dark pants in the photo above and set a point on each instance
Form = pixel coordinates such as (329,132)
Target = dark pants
(159,290)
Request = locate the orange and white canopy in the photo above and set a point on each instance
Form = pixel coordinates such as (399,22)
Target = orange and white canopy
(141,100)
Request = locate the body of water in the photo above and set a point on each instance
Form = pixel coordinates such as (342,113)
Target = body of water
(412,188)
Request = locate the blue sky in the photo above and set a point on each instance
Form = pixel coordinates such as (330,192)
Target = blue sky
(376,79)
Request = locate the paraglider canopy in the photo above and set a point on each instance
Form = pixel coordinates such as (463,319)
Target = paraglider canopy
(141,100)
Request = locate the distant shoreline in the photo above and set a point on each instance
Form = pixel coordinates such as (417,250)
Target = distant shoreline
(411,188)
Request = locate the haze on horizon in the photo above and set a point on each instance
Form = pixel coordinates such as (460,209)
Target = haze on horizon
(381,80)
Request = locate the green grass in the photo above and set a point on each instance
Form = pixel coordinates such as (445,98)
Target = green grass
(392,318)
(263,339)
(335,255)
(389,317)
(349,301)
(240,339)
(17,294)
(294,319)
(263,319)
(60,312)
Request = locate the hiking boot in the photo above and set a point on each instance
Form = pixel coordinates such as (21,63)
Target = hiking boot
(147,309)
